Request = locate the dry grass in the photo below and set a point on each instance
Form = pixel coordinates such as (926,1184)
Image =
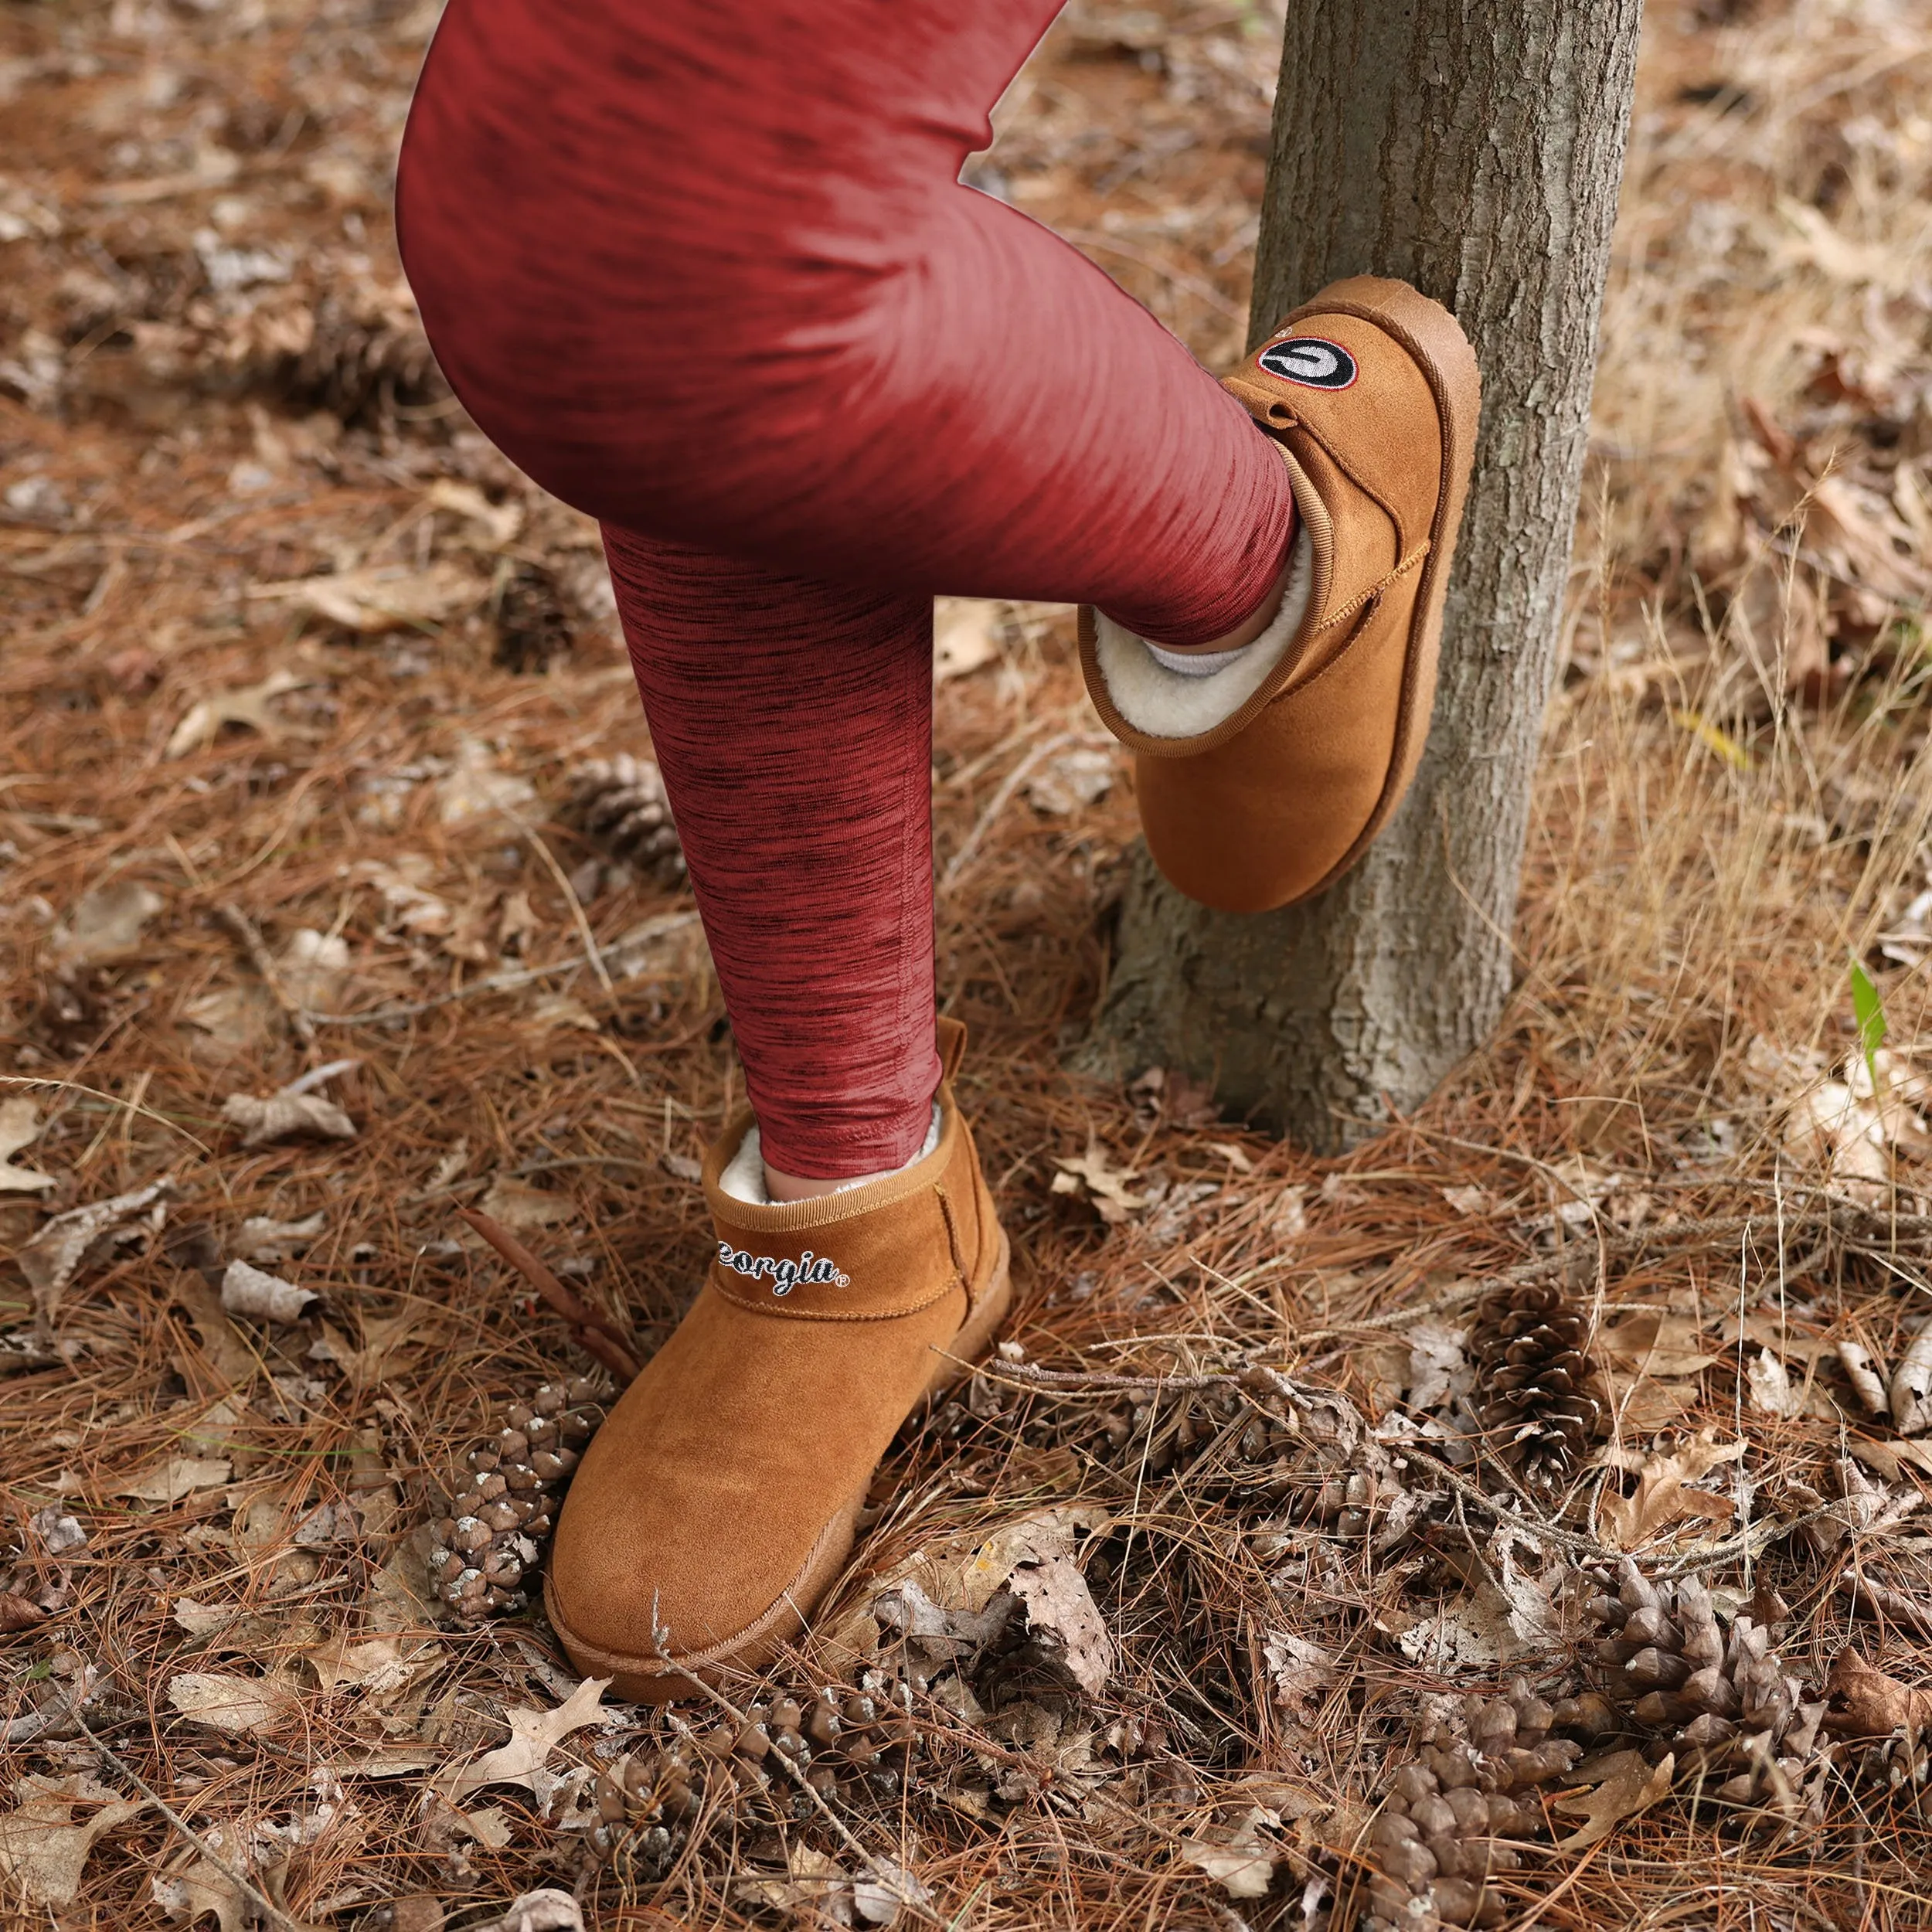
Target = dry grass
(1732,804)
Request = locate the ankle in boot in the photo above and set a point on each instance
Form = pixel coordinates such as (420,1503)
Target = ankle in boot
(718,1503)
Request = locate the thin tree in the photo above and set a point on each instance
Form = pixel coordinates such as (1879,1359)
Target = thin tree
(1474,148)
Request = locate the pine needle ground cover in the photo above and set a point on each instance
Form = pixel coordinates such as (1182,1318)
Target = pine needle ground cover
(1520,1522)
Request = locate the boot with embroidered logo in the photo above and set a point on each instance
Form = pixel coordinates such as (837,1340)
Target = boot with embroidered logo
(716,1505)
(1264,772)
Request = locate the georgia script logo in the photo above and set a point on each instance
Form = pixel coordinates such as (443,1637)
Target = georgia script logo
(1313,361)
(783,1274)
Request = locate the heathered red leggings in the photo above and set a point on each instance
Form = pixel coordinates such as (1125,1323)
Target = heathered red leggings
(705,269)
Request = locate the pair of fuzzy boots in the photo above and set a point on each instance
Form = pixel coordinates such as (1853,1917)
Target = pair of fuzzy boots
(716,1505)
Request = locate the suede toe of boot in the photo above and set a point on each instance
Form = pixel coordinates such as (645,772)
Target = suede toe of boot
(717,1504)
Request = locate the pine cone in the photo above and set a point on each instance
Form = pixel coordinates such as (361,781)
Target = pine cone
(621,802)
(850,1744)
(1738,1726)
(489,1543)
(1311,1453)
(532,622)
(1440,1836)
(1536,1389)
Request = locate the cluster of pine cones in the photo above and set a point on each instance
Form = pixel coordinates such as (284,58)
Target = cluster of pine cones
(1722,1705)
(1445,1830)
(846,1744)
(487,1544)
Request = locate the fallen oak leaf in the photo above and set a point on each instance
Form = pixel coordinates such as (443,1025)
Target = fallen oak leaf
(1632,1786)
(1242,1864)
(204,1888)
(17,1613)
(534,1734)
(1093,1174)
(177,1477)
(107,925)
(42,1850)
(500,521)
(966,635)
(224,1701)
(246,706)
(263,1238)
(291,1111)
(1064,1627)
(1664,1495)
(19,1126)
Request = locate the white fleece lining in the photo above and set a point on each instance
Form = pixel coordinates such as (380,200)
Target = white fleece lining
(1171,704)
(744,1178)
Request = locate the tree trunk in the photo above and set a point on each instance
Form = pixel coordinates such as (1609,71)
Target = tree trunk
(1473,148)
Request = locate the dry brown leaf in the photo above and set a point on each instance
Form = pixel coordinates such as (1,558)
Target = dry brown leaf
(409,904)
(292,1112)
(385,596)
(534,1734)
(1093,1175)
(499,522)
(1656,1344)
(223,1700)
(1663,1494)
(966,635)
(476,790)
(249,705)
(382,1336)
(1629,1786)
(177,1477)
(42,1850)
(815,1887)
(1299,1673)
(547,1911)
(107,925)
(518,1204)
(54,1256)
(17,1613)
(1772,1391)
(264,1238)
(1910,1394)
(19,1126)
(1242,1862)
(190,1896)
(265,1297)
(1074,779)
(378,1666)
(1062,1620)
(1865,1703)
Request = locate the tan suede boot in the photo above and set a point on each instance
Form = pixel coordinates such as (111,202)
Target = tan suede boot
(1264,781)
(718,1502)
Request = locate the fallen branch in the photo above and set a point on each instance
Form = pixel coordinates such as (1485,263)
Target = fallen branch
(595,1334)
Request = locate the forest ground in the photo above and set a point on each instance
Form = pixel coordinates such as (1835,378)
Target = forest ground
(298,683)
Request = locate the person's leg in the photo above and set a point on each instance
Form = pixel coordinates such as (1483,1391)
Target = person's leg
(709,273)
(706,270)
(793,723)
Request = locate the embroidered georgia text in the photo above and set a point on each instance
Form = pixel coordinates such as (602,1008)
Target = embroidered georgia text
(783,1273)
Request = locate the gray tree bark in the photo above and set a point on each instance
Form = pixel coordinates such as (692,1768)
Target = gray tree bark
(1474,148)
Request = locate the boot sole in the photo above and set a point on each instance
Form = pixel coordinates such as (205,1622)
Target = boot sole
(647,1681)
(1441,351)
